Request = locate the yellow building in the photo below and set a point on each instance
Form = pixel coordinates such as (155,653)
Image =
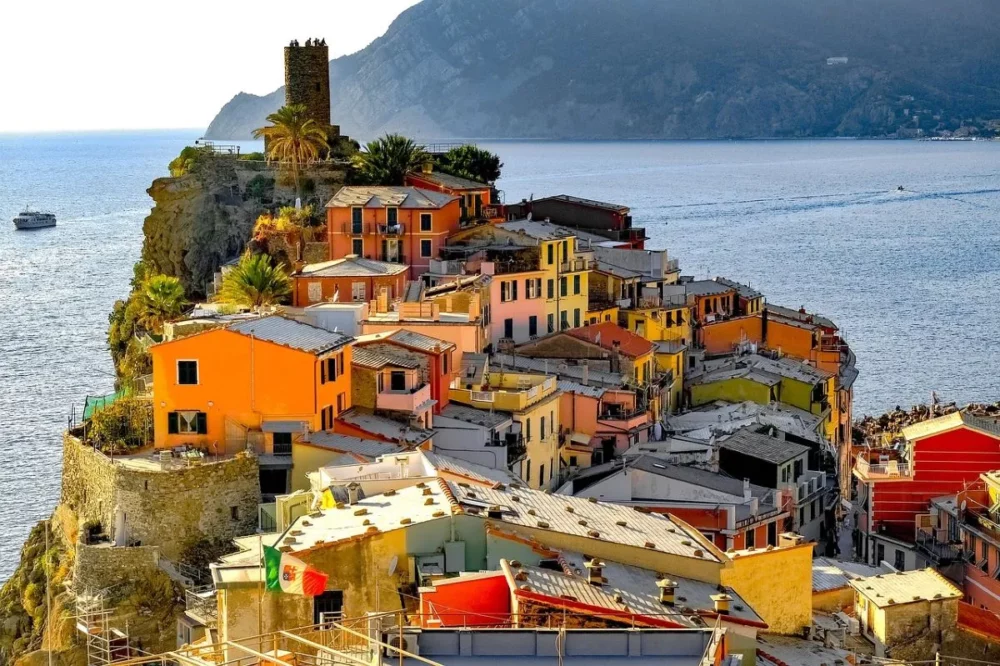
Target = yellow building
(532,400)
(906,609)
(764,380)
(671,323)
(671,357)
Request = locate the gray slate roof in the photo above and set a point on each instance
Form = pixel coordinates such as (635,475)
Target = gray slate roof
(762,446)
(368,448)
(352,266)
(380,197)
(590,203)
(386,427)
(291,333)
(617,271)
(744,290)
(803,317)
(705,287)
(472,415)
(376,360)
(452,182)
(582,389)
(419,341)
(557,367)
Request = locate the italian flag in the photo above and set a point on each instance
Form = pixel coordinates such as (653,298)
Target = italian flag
(285,573)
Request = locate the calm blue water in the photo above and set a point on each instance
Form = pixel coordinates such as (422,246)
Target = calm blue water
(911,278)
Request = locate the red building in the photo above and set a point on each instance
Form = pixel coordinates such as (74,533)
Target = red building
(941,456)
(476,198)
(348,279)
(403,225)
(435,358)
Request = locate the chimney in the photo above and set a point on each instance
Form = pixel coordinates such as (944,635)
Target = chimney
(747,495)
(721,602)
(427,167)
(586,374)
(383,300)
(595,571)
(667,590)
(786,539)
(353,490)
(754,506)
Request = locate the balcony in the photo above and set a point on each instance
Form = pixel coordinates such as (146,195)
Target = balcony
(576,265)
(355,228)
(390,229)
(513,393)
(393,257)
(940,552)
(808,485)
(403,393)
(624,419)
(200,604)
(884,470)
(447,267)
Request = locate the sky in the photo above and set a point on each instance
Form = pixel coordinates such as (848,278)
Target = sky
(135,64)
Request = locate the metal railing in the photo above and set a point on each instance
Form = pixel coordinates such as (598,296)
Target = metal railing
(891,469)
(940,551)
(202,602)
(391,229)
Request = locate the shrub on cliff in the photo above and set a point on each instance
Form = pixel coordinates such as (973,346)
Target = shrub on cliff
(161,299)
(255,282)
(123,426)
(472,162)
(386,160)
(188,160)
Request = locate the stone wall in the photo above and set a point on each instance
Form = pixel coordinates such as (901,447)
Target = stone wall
(172,509)
(307,80)
(101,566)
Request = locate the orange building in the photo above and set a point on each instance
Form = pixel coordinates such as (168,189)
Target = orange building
(350,278)
(261,380)
(475,197)
(710,300)
(404,225)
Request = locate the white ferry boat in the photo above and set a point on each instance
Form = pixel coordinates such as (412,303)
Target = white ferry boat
(30,219)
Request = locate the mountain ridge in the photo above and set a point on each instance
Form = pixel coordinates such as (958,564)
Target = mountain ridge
(663,69)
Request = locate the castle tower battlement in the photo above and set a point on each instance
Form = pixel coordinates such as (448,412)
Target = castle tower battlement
(307,78)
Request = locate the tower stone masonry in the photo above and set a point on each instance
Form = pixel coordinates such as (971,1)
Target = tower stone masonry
(307,79)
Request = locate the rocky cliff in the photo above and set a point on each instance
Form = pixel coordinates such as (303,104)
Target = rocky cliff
(205,217)
(664,69)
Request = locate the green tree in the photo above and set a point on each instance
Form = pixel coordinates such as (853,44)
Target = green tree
(162,299)
(255,282)
(472,162)
(385,161)
(187,160)
(293,140)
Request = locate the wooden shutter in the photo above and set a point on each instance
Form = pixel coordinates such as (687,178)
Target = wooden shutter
(172,424)
(202,423)
(322,372)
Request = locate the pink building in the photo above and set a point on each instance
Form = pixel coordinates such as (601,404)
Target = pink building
(598,423)
(517,305)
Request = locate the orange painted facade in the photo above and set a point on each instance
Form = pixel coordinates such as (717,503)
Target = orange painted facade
(346,288)
(408,241)
(245,381)
(468,337)
(476,601)
(713,304)
(722,336)
(712,523)
(475,200)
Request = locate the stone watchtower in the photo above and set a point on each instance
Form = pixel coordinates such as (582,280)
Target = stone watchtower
(307,78)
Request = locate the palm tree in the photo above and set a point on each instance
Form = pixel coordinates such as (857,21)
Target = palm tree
(254,282)
(162,299)
(386,161)
(293,139)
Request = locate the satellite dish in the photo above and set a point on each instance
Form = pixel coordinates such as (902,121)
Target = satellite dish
(392,564)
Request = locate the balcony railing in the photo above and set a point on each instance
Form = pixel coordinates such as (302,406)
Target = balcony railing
(404,400)
(201,602)
(942,552)
(390,229)
(809,484)
(891,469)
(505,399)
(355,228)
(576,265)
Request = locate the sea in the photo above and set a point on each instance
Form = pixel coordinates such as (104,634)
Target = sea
(911,276)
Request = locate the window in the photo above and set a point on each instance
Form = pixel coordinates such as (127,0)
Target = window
(508,328)
(543,428)
(527,472)
(812,510)
(444,363)
(425,221)
(572,461)
(549,248)
(552,323)
(187,372)
(508,291)
(341,405)
(541,474)
(562,286)
(576,284)
(563,321)
(802,516)
(358,246)
(552,288)
(326,418)
(282,444)
(751,538)
(187,423)
(879,554)
(358,292)
(565,250)
(392,216)
(234,512)
(576,318)
(527,430)
(533,287)
(397,380)
(900,560)
(356,217)
(328,370)
(798,470)
(328,607)
(533,325)
(425,248)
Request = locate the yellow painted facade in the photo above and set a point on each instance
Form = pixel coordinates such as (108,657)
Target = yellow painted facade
(672,361)
(777,583)
(671,323)
(736,389)
(565,283)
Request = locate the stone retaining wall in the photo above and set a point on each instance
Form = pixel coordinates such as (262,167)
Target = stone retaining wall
(172,509)
(102,566)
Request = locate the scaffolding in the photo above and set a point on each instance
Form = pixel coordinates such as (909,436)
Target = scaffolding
(105,644)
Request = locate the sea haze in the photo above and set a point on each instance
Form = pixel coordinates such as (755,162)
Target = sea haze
(909,276)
